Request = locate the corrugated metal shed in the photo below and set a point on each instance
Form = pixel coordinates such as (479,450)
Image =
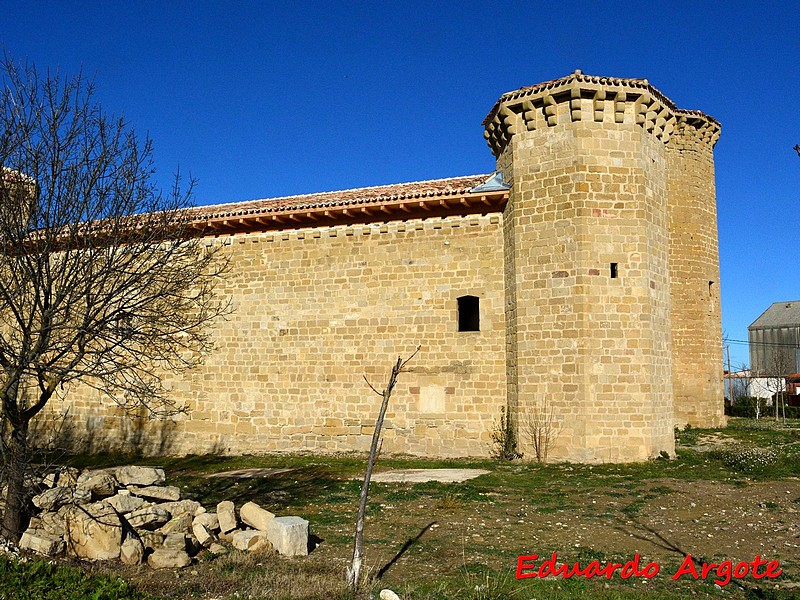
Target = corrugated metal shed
(780,314)
(774,339)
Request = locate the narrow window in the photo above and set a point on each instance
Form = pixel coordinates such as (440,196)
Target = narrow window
(614,271)
(711,289)
(469,315)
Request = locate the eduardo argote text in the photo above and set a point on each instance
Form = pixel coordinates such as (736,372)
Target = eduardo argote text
(722,572)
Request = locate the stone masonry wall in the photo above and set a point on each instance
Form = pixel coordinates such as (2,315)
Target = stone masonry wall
(317,309)
(593,347)
(694,273)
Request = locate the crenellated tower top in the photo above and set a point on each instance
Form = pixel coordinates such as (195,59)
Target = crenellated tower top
(580,97)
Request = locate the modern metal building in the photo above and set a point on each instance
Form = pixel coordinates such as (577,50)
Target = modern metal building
(775,341)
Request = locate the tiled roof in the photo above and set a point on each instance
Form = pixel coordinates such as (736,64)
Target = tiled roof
(366,196)
(419,199)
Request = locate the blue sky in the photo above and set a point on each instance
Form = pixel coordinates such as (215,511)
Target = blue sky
(260,99)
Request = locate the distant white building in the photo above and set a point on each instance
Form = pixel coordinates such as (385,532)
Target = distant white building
(741,383)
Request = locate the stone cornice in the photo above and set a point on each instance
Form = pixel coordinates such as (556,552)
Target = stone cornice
(591,98)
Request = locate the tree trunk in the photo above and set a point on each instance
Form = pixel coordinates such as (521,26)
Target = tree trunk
(17,461)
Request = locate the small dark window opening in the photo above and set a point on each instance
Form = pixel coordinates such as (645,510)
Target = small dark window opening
(614,271)
(469,314)
(710,289)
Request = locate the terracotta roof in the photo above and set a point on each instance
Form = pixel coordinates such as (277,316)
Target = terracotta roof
(354,197)
(436,197)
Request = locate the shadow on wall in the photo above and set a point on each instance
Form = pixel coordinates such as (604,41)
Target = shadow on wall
(135,435)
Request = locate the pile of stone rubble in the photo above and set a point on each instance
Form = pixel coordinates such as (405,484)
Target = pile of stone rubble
(126,513)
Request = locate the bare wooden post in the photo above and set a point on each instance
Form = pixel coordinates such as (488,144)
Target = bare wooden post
(354,570)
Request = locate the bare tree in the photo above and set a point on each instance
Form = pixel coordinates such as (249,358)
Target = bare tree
(540,426)
(354,570)
(101,281)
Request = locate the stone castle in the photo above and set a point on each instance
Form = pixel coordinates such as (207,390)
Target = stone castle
(579,282)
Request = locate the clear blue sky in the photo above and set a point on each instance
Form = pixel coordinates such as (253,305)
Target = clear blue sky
(259,99)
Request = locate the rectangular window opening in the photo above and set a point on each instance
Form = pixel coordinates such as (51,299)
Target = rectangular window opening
(614,270)
(469,318)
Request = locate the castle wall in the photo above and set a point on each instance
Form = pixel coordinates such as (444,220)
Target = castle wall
(316,310)
(593,348)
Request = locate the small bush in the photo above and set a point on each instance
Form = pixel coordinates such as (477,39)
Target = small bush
(504,438)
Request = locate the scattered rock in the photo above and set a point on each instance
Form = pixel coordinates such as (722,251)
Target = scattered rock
(126,503)
(41,542)
(244,540)
(132,551)
(151,539)
(180,524)
(169,559)
(179,507)
(207,520)
(388,595)
(217,549)
(94,531)
(53,498)
(101,484)
(133,475)
(203,535)
(255,516)
(289,535)
(53,523)
(168,492)
(174,541)
(226,515)
(149,517)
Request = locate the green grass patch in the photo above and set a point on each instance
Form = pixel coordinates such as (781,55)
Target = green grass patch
(41,580)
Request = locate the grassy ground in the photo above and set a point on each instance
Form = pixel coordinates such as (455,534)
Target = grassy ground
(730,494)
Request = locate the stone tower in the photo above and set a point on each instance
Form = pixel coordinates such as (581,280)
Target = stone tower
(611,268)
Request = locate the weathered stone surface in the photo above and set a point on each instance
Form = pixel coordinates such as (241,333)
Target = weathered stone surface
(255,516)
(151,539)
(53,498)
(134,475)
(289,535)
(67,477)
(204,536)
(180,524)
(227,536)
(388,595)
(179,507)
(149,517)
(207,520)
(88,474)
(167,492)
(94,531)
(168,559)
(244,540)
(227,516)
(126,503)
(41,542)
(100,484)
(81,496)
(53,523)
(132,551)
(175,541)
(217,549)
